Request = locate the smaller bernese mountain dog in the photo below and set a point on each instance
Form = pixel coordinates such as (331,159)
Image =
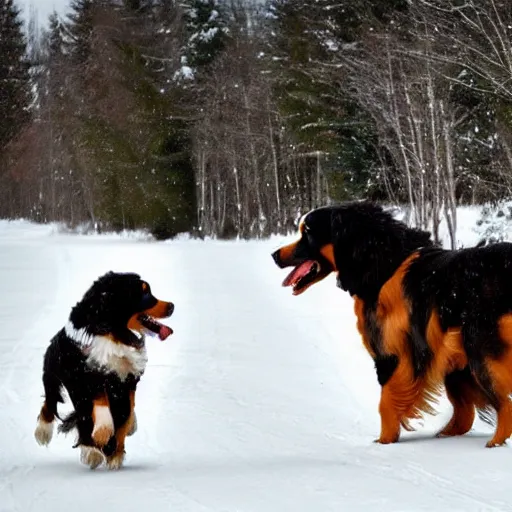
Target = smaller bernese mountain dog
(99,358)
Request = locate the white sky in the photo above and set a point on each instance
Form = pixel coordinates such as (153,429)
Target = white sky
(44,8)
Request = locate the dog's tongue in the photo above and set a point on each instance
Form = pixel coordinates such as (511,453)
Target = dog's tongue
(164,332)
(298,273)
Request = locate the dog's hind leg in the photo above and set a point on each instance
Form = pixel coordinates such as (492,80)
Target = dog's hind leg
(495,378)
(116,459)
(46,418)
(489,348)
(464,394)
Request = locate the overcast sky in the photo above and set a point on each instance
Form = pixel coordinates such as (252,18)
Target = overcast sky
(44,8)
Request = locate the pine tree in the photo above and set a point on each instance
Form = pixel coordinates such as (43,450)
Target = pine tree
(307,35)
(207,33)
(79,29)
(55,35)
(15,95)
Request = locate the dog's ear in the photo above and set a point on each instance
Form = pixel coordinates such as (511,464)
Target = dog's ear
(369,245)
(106,302)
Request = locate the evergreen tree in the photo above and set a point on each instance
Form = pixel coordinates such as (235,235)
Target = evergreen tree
(55,36)
(307,35)
(79,30)
(142,169)
(206,33)
(15,93)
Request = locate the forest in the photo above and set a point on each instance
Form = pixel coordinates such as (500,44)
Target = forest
(232,118)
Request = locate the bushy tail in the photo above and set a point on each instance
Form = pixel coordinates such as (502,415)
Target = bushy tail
(69,423)
(488,415)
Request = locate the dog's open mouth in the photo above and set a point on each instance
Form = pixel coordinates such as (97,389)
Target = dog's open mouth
(303,275)
(154,326)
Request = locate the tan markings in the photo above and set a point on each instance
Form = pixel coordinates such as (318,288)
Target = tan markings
(144,287)
(327,251)
(103,428)
(361,327)
(449,354)
(302,224)
(393,312)
(160,310)
(500,373)
(133,428)
(505,329)
(504,426)
(461,421)
(404,397)
(116,460)
(286,252)
(46,414)
(134,324)
(389,417)
(467,397)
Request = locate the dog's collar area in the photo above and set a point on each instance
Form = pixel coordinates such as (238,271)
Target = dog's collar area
(104,354)
(82,337)
(85,340)
(121,359)
(139,339)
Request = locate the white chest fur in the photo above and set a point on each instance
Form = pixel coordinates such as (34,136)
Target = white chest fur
(104,353)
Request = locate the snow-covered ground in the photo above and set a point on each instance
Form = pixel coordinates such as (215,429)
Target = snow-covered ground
(260,401)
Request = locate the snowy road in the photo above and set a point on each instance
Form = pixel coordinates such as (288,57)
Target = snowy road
(259,402)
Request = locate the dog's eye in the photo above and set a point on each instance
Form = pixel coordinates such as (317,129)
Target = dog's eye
(145,287)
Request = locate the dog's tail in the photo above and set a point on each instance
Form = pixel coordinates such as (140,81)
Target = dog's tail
(69,423)
(488,415)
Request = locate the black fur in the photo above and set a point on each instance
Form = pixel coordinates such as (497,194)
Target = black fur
(385,367)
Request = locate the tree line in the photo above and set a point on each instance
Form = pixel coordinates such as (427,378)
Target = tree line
(232,118)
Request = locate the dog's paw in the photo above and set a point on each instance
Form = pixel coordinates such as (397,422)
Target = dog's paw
(91,456)
(43,432)
(495,443)
(116,461)
(386,440)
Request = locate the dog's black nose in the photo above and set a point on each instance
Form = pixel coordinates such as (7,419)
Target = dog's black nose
(170,309)
(277,257)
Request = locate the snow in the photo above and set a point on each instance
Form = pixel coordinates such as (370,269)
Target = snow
(260,401)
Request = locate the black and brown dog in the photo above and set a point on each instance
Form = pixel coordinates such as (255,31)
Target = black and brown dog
(428,317)
(99,358)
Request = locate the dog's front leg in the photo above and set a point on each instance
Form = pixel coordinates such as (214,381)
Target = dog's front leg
(389,417)
(398,395)
(103,423)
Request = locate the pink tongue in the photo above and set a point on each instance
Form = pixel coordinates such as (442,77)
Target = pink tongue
(165,332)
(298,272)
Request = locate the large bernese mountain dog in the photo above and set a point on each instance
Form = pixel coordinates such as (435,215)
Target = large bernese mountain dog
(428,317)
(99,358)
